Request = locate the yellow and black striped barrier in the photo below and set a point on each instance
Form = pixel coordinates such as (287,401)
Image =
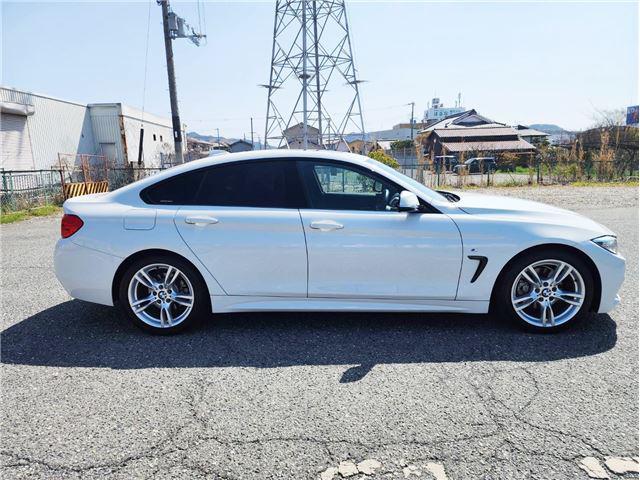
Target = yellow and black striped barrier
(84,188)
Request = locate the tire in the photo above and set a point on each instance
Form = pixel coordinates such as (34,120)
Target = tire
(169,293)
(538,297)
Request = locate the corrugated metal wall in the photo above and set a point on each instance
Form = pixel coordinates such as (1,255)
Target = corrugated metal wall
(57,126)
(154,149)
(107,129)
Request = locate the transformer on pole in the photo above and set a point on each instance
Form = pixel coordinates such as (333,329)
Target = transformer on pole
(311,52)
(174,27)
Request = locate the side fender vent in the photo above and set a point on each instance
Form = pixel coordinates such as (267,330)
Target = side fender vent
(482,262)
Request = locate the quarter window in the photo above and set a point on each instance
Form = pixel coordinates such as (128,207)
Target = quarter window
(178,190)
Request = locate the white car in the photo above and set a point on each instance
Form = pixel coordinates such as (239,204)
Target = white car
(323,231)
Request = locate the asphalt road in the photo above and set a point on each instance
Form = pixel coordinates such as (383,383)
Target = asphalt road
(85,395)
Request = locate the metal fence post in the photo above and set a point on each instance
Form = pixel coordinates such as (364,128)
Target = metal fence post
(4,187)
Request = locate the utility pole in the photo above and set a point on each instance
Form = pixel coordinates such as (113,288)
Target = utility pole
(175,27)
(173,93)
(252,147)
(218,134)
(413,104)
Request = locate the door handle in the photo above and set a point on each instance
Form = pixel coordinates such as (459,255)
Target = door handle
(326,225)
(201,220)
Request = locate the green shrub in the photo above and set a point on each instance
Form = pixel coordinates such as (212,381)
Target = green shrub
(382,157)
(400,144)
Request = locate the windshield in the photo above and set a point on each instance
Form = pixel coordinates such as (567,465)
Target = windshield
(426,192)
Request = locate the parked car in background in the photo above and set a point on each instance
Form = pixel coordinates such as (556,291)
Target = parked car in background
(310,230)
(477,165)
(446,163)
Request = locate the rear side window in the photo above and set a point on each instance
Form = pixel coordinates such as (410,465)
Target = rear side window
(178,190)
(266,184)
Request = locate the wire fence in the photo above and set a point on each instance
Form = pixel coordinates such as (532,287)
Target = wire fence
(22,189)
(507,174)
(29,188)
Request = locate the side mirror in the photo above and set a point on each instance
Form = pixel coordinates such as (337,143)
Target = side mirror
(408,202)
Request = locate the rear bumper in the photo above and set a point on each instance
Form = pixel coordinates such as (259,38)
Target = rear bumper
(85,274)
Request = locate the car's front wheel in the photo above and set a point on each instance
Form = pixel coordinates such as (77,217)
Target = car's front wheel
(546,291)
(162,294)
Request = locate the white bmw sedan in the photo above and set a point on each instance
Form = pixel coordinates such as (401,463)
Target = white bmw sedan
(320,231)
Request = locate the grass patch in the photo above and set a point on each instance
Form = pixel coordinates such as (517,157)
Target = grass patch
(512,184)
(625,183)
(11,217)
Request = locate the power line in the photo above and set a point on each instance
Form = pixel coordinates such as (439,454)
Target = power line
(144,88)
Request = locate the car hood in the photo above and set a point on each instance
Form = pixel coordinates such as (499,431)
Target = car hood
(526,210)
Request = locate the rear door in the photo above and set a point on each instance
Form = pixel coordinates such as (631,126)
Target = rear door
(244,225)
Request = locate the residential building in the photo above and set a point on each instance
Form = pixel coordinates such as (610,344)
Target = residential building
(401,131)
(234,146)
(363,148)
(531,135)
(469,133)
(197,148)
(295,137)
(338,145)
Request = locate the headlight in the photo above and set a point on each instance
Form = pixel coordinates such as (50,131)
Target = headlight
(608,242)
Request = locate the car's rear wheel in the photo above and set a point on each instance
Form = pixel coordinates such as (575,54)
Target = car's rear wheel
(546,291)
(163,294)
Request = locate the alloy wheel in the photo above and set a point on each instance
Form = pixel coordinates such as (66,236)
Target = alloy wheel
(161,295)
(548,293)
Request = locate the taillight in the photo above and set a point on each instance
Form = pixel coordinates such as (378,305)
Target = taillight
(70,225)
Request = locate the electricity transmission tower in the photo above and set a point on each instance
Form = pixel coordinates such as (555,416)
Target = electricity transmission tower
(311,52)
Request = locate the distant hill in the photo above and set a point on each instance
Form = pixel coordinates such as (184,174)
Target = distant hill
(548,128)
(557,135)
(206,138)
(214,138)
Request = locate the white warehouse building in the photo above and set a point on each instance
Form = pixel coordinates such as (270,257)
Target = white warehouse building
(35,129)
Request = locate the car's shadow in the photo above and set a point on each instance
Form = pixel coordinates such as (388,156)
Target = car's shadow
(78,334)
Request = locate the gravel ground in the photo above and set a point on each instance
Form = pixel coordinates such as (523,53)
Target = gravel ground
(573,198)
(84,395)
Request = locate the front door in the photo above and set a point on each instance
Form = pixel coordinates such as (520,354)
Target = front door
(245,228)
(359,247)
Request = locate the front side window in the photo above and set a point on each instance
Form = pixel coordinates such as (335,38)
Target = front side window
(334,179)
(339,186)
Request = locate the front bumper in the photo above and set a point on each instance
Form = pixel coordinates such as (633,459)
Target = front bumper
(611,269)
(85,274)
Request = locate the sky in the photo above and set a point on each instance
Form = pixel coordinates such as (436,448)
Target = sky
(514,62)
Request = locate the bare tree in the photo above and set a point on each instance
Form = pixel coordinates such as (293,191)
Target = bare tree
(609,118)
